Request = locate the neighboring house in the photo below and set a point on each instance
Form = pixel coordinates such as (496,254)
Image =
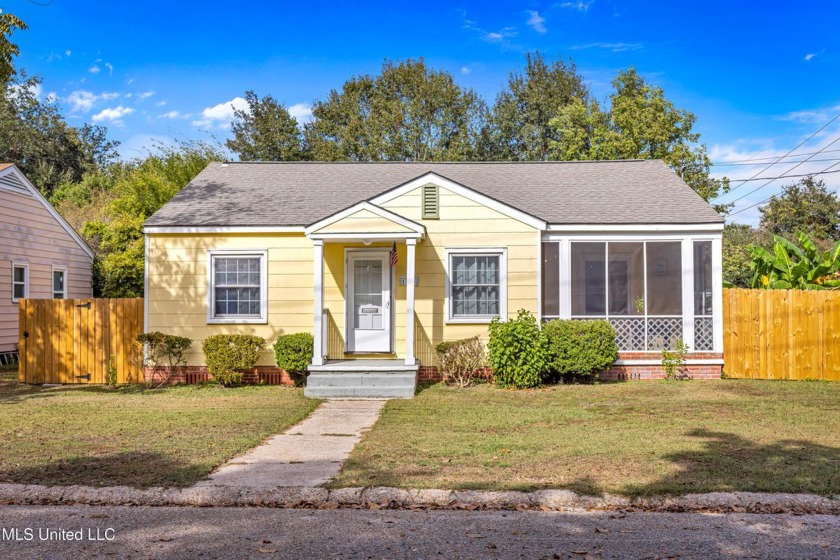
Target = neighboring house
(41,256)
(277,248)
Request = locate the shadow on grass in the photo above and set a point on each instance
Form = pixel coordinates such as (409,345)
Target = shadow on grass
(130,468)
(731,463)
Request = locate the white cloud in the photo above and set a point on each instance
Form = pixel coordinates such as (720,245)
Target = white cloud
(129,81)
(537,22)
(302,112)
(108,95)
(579,6)
(614,47)
(812,116)
(145,95)
(220,115)
(110,68)
(52,97)
(465,69)
(113,114)
(175,115)
(810,56)
(81,100)
(68,52)
(94,69)
(499,36)
(160,103)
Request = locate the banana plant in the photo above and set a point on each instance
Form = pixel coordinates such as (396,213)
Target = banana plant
(799,268)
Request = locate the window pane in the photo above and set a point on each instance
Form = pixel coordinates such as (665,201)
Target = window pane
(237,289)
(19,291)
(551,279)
(664,278)
(589,288)
(20,274)
(702,277)
(475,285)
(627,279)
(58,281)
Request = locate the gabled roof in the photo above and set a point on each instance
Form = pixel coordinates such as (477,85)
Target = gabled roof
(302,193)
(12,179)
(363,219)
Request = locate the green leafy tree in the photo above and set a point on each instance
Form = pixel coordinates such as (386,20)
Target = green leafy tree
(265,131)
(792,267)
(521,127)
(8,50)
(737,253)
(641,123)
(408,112)
(803,207)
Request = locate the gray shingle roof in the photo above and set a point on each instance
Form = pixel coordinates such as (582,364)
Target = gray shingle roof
(296,194)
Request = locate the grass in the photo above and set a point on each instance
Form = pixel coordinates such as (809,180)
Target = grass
(635,439)
(134,436)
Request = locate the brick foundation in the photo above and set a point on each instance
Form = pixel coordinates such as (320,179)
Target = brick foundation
(265,375)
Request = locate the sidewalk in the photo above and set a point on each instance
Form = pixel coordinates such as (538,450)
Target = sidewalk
(308,454)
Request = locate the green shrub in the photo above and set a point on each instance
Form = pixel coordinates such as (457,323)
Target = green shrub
(579,348)
(293,353)
(227,355)
(162,350)
(460,361)
(673,361)
(517,351)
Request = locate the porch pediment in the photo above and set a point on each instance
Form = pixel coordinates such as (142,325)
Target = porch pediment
(365,221)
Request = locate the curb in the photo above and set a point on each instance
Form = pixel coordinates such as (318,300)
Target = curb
(396,498)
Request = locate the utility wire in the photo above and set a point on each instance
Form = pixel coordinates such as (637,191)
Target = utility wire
(823,172)
(780,163)
(823,127)
(747,161)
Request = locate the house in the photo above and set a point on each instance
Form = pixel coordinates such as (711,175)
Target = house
(41,256)
(382,261)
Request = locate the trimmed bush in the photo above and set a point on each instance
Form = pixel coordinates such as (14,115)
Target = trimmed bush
(517,351)
(580,348)
(293,353)
(162,350)
(460,361)
(227,355)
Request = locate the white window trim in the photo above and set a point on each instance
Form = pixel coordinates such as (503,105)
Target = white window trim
(57,268)
(503,281)
(25,266)
(231,319)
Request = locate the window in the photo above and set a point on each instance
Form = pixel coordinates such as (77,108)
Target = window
(59,282)
(551,280)
(237,291)
(20,281)
(703,293)
(477,285)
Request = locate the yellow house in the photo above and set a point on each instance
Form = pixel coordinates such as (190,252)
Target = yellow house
(382,261)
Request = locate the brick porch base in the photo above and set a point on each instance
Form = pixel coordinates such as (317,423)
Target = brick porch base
(266,375)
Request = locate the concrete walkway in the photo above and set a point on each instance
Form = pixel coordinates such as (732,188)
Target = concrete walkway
(308,454)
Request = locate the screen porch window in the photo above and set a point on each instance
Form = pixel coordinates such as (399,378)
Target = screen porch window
(59,288)
(703,293)
(20,281)
(237,288)
(477,286)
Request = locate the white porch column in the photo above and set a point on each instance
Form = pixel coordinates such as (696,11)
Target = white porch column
(688,293)
(318,308)
(410,246)
(717,293)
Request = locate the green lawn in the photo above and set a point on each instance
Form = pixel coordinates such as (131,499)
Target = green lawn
(638,438)
(134,436)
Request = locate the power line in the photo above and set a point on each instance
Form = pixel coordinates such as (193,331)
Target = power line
(823,127)
(783,175)
(793,176)
(823,172)
(756,159)
(780,163)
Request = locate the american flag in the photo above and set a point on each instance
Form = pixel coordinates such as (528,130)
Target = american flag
(394,257)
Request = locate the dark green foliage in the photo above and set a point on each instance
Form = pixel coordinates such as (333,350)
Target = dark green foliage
(293,353)
(8,50)
(579,348)
(226,355)
(460,361)
(518,351)
(805,207)
(791,267)
(162,350)
(265,132)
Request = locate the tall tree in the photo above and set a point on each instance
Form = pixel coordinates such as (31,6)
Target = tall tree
(737,253)
(408,112)
(641,123)
(8,50)
(520,120)
(265,131)
(805,207)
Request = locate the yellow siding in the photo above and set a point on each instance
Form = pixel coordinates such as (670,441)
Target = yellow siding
(364,221)
(178,277)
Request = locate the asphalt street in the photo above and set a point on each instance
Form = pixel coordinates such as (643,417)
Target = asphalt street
(41,532)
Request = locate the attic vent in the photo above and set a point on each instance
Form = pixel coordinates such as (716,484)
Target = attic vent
(431,202)
(12,183)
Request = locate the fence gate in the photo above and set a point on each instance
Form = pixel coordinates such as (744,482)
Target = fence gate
(79,340)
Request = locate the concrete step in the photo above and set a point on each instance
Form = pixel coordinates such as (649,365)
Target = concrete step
(354,379)
(359,392)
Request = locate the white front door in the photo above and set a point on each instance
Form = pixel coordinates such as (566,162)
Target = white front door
(368,301)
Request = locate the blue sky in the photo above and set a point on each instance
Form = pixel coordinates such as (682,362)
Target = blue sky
(760,77)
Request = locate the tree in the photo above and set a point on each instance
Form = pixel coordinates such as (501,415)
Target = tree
(641,123)
(737,254)
(265,131)
(408,112)
(520,122)
(8,50)
(803,207)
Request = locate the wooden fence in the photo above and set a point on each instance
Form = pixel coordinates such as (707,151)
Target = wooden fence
(781,334)
(79,340)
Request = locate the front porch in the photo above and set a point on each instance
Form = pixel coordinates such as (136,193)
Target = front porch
(362,379)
